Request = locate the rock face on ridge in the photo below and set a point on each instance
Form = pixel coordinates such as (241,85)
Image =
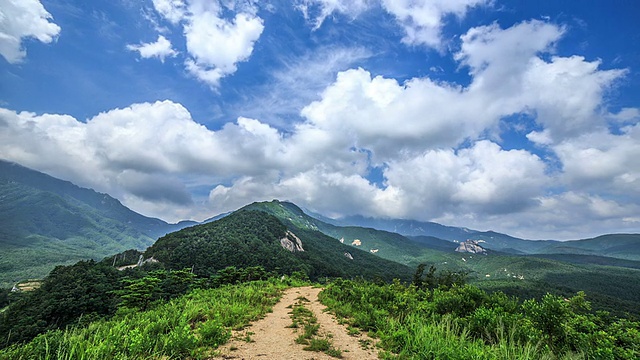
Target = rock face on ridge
(471,246)
(291,242)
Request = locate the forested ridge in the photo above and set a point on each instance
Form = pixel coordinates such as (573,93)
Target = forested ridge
(463,320)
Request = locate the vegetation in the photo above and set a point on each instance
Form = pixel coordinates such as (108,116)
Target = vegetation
(436,316)
(242,247)
(46,222)
(191,326)
(433,314)
(306,323)
(252,238)
(464,322)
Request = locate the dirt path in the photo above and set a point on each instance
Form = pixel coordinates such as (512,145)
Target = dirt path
(272,339)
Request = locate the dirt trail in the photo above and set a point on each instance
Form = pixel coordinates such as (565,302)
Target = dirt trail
(272,339)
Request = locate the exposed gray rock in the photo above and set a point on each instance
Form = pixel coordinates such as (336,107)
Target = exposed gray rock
(471,246)
(348,256)
(291,242)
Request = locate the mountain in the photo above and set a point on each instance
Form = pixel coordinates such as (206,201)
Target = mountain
(385,244)
(621,246)
(248,238)
(618,246)
(407,227)
(419,229)
(46,222)
(506,266)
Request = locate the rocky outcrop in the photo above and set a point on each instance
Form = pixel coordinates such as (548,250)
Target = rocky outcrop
(291,242)
(356,242)
(348,256)
(470,246)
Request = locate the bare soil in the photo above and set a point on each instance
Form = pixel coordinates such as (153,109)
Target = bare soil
(271,338)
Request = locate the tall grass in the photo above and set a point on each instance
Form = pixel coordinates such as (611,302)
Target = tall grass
(189,327)
(407,326)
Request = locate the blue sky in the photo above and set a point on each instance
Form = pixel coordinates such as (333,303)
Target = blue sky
(521,117)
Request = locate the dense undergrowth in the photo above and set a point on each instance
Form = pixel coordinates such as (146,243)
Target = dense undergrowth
(436,317)
(188,327)
(464,322)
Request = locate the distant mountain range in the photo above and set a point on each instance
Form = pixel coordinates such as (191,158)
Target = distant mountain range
(514,268)
(621,246)
(46,222)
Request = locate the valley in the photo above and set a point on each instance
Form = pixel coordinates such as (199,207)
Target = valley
(57,224)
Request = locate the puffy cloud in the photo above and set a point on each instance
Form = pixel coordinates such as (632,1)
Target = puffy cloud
(567,94)
(422,20)
(128,152)
(20,19)
(172,10)
(215,44)
(160,49)
(602,162)
(154,188)
(383,116)
(626,114)
(428,137)
(301,81)
(319,10)
(480,179)
(490,49)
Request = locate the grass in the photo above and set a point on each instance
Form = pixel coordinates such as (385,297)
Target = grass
(305,320)
(405,329)
(188,327)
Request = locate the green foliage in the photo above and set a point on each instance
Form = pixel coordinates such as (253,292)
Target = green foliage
(139,293)
(464,322)
(45,222)
(444,279)
(186,327)
(4,297)
(306,323)
(242,239)
(247,239)
(69,295)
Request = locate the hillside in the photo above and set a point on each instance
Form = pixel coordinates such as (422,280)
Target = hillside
(255,238)
(384,244)
(45,222)
(615,246)
(407,227)
(506,267)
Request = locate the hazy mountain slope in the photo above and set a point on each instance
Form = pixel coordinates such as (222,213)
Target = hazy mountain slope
(45,222)
(253,238)
(506,267)
(101,203)
(407,227)
(509,244)
(385,244)
(414,229)
(590,259)
(621,246)
(435,243)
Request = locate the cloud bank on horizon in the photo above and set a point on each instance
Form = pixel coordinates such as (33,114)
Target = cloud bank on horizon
(470,112)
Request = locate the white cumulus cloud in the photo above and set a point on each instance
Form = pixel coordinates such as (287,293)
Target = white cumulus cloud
(161,49)
(21,19)
(435,145)
(422,20)
(215,43)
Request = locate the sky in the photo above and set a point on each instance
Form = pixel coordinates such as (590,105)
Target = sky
(521,117)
